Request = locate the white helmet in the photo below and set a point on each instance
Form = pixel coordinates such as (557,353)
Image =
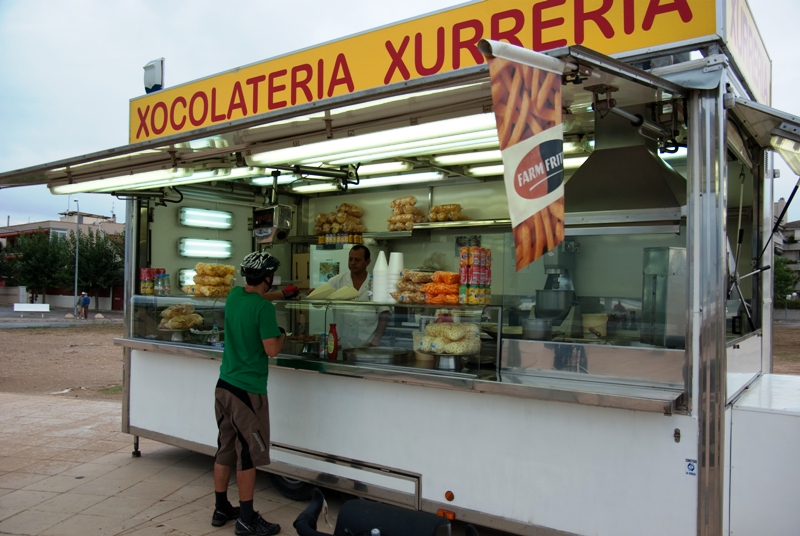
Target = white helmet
(259,264)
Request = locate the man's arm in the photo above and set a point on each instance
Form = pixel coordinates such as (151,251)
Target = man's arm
(274,345)
(383,321)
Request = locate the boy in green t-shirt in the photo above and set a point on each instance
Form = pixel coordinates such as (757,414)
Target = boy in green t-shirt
(241,405)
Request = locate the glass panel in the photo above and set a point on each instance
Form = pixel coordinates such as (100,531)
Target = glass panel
(605,305)
(420,336)
(185,320)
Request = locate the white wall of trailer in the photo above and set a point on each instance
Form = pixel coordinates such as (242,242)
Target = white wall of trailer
(572,467)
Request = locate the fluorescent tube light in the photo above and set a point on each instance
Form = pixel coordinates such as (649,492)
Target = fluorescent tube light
(497,170)
(575,162)
(186,276)
(314,188)
(212,219)
(267,180)
(467,158)
(485,171)
(210,249)
(380,169)
(383,140)
(192,178)
(120,182)
(396,180)
(471,140)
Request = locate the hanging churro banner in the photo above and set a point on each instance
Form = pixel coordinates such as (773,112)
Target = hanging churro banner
(527,107)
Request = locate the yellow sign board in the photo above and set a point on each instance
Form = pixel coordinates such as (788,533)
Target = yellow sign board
(437,43)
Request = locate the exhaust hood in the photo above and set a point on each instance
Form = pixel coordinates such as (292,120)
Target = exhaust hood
(623,173)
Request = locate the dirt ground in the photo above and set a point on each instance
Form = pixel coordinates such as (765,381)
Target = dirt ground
(786,349)
(79,361)
(83,362)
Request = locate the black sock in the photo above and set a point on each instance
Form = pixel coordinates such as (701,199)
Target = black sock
(246,511)
(221,498)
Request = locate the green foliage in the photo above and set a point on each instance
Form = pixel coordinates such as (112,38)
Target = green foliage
(784,279)
(41,261)
(7,267)
(100,260)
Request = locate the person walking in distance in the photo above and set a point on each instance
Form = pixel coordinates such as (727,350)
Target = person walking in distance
(241,406)
(85,301)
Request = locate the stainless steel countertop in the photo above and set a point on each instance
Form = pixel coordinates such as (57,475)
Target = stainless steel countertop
(545,386)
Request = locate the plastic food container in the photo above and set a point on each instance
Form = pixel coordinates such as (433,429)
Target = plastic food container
(594,325)
(420,356)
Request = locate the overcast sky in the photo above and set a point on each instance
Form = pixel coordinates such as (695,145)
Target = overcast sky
(68,69)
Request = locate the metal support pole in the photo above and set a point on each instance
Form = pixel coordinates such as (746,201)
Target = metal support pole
(706,345)
(136,453)
(77,243)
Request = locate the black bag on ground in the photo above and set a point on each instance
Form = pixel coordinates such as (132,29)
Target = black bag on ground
(360,517)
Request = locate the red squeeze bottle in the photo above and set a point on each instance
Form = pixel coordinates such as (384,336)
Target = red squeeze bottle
(333,343)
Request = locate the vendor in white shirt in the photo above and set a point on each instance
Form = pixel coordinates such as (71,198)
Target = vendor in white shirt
(358,327)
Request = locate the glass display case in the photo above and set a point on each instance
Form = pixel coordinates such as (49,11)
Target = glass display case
(418,336)
(180,319)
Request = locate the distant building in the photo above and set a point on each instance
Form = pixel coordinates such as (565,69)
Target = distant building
(9,235)
(66,224)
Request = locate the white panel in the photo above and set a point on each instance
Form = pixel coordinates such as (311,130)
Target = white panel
(174,395)
(765,473)
(574,468)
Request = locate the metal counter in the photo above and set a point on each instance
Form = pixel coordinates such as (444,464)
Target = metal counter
(587,390)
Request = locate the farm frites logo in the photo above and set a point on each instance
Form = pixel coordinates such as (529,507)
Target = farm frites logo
(527,108)
(541,170)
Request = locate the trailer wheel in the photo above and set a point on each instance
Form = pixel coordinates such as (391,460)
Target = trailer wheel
(296,490)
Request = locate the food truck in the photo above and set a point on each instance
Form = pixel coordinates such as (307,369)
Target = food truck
(620,383)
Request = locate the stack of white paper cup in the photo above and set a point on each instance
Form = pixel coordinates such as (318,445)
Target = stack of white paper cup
(380,283)
(395,271)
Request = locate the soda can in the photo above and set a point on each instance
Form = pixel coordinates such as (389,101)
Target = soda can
(157,271)
(473,275)
(462,294)
(475,255)
(146,281)
(463,275)
(488,277)
(472,295)
(463,258)
(488,260)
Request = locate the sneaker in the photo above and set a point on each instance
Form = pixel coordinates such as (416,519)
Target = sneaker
(258,526)
(223,515)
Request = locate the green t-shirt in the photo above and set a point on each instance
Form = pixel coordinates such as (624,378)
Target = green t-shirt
(249,319)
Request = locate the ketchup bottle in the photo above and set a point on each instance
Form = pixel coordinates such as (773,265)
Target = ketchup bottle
(333,343)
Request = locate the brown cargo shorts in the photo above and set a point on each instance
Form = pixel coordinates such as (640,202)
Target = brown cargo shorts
(243,423)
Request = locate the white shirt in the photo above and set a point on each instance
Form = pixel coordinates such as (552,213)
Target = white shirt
(355,326)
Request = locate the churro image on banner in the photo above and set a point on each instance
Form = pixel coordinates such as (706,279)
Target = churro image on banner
(526,94)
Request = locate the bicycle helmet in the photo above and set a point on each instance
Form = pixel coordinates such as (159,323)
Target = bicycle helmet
(259,264)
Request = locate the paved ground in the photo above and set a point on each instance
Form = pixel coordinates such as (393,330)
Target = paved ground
(65,469)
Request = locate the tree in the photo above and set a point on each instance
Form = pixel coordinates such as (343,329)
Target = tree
(7,261)
(784,279)
(41,261)
(100,260)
